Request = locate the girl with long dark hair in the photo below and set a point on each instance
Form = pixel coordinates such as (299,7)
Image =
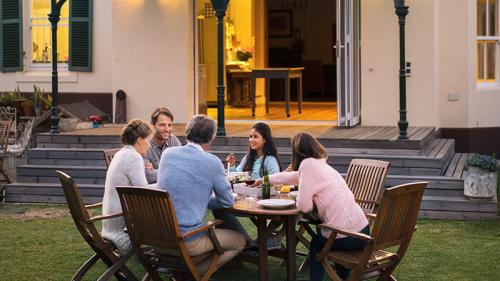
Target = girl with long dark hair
(262,154)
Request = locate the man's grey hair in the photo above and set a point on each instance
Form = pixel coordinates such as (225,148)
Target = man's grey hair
(200,129)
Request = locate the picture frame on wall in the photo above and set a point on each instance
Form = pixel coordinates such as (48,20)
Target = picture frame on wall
(280,23)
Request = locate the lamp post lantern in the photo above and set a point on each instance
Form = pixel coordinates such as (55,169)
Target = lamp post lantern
(402,12)
(54,17)
(220,7)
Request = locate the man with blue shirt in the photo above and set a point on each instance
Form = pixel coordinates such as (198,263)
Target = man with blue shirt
(196,181)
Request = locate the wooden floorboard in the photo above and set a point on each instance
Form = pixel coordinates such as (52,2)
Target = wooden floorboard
(453,165)
(311,111)
(460,166)
(437,148)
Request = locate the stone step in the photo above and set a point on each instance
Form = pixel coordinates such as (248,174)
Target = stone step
(47,174)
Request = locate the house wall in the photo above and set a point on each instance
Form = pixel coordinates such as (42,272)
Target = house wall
(440,43)
(97,81)
(152,56)
(380,64)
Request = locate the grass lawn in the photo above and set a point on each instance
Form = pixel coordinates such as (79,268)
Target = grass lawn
(41,243)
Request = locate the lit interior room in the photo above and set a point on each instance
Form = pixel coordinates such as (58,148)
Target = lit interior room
(261,39)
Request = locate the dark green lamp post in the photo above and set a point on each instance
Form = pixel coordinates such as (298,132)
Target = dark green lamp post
(220,7)
(54,17)
(402,12)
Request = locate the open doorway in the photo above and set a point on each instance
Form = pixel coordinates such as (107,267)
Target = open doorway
(271,34)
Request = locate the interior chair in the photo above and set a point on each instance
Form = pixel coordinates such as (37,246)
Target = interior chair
(392,232)
(109,154)
(155,235)
(103,248)
(365,178)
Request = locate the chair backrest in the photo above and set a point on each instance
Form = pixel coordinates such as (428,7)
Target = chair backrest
(397,215)
(4,134)
(79,213)
(109,154)
(365,178)
(9,114)
(23,136)
(151,220)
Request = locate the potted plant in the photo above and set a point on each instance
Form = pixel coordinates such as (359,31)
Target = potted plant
(96,120)
(481,177)
(28,107)
(17,99)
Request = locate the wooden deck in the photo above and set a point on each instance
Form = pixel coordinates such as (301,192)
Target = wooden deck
(372,138)
(381,133)
(457,164)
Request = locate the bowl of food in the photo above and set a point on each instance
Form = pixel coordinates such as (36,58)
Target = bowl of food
(293,194)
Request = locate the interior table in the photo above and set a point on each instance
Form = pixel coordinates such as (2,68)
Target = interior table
(277,73)
(260,215)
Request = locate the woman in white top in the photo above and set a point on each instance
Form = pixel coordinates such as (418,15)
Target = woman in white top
(126,169)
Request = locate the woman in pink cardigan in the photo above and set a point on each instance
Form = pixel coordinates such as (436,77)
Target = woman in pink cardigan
(322,189)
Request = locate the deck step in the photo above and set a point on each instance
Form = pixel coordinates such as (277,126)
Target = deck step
(50,193)
(47,174)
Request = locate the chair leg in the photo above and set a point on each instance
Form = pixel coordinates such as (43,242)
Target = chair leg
(332,274)
(85,267)
(119,269)
(387,273)
(5,175)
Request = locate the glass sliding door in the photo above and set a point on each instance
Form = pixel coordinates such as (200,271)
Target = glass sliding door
(347,48)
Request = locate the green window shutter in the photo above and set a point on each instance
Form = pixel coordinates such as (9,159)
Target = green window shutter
(80,35)
(11,37)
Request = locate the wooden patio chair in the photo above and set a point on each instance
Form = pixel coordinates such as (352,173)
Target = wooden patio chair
(103,248)
(365,178)
(155,235)
(4,143)
(391,235)
(109,155)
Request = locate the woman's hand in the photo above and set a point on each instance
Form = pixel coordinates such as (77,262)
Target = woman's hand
(289,168)
(258,182)
(231,159)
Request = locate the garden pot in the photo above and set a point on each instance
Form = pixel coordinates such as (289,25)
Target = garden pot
(96,125)
(480,184)
(28,110)
(38,110)
(68,124)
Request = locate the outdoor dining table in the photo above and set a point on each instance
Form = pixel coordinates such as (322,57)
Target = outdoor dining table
(259,215)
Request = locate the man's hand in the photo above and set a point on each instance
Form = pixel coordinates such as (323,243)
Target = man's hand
(148,166)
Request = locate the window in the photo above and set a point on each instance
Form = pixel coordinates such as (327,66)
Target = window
(487,41)
(41,38)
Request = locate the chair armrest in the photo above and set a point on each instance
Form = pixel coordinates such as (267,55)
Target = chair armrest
(93,206)
(367,201)
(204,228)
(105,217)
(358,235)
(215,241)
(371,216)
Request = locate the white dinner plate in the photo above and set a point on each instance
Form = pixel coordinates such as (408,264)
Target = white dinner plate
(276,203)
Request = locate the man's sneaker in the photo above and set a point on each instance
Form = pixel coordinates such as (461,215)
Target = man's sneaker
(273,243)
